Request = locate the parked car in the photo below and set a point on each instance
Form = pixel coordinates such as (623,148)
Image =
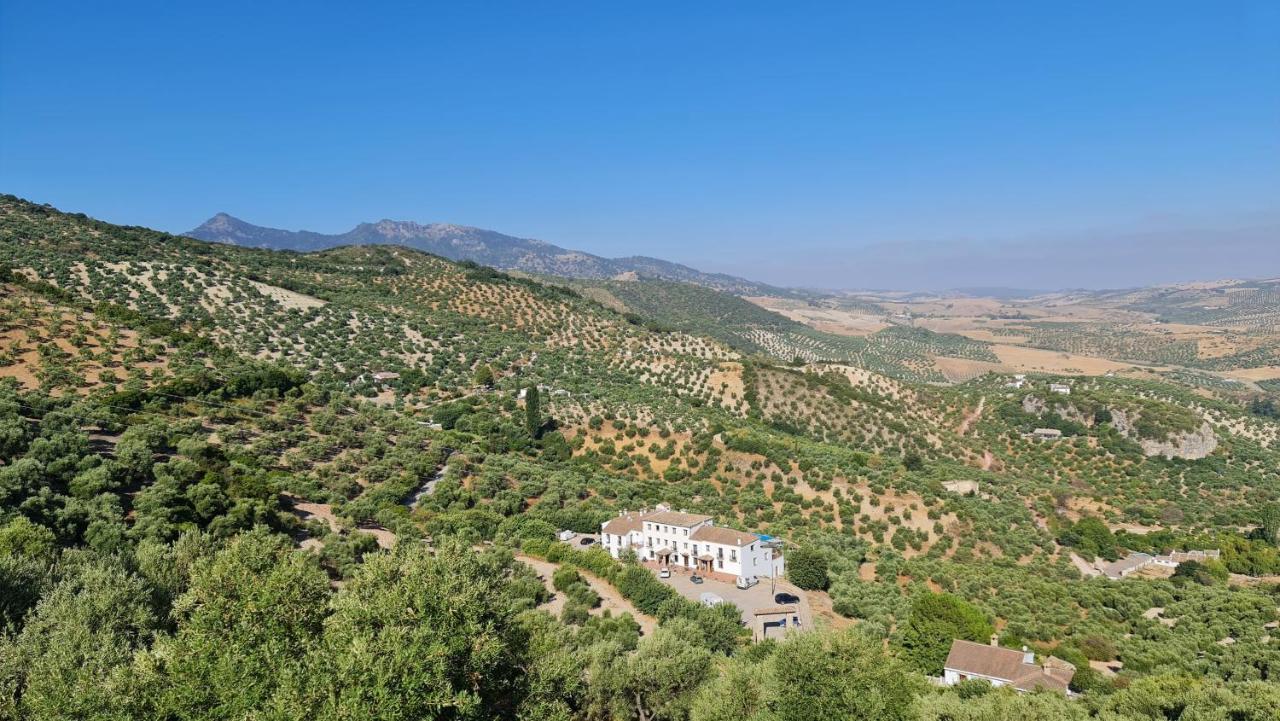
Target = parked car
(664,572)
(785,598)
(745,582)
(566,535)
(696,578)
(587,541)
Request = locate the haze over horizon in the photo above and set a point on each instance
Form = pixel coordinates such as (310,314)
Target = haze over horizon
(816,146)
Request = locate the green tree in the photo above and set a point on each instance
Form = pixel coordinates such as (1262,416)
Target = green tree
(483,376)
(22,538)
(935,621)
(844,675)
(532,412)
(912,461)
(419,634)
(1003,705)
(246,625)
(1269,523)
(807,568)
(72,657)
(656,682)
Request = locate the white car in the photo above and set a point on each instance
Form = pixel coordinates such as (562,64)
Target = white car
(664,572)
(746,581)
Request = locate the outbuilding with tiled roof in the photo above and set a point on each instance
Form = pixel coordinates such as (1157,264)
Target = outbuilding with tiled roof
(1005,667)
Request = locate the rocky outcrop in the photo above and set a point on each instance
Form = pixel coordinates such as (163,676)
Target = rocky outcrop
(1191,445)
(1036,405)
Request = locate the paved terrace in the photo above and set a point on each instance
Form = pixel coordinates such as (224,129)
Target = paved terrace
(747,600)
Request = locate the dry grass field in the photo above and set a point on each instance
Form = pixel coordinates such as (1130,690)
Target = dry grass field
(1223,328)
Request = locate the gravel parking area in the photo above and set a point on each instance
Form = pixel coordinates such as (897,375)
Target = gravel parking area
(747,600)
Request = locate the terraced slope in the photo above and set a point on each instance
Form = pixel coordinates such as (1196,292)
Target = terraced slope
(899,352)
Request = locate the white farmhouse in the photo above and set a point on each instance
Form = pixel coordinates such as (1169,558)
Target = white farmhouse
(1060,388)
(691,540)
(1005,667)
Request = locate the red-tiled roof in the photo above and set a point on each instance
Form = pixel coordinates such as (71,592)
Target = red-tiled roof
(675,518)
(622,525)
(723,536)
(1008,665)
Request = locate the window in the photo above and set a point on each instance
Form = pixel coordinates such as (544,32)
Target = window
(686,532)
(733,556)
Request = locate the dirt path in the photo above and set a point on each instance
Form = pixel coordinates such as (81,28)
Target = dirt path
(610,599)
(306,511)
(987,460)
(974,415)
(1086,569)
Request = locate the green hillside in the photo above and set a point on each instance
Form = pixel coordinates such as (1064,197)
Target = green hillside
(898,352)
(239,483)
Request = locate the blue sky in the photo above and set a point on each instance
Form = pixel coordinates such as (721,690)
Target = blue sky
(910,145)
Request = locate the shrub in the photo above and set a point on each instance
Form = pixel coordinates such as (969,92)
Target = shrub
(807,568)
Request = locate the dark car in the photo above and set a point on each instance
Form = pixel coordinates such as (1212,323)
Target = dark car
(784,598)
(587,541)
(696,578)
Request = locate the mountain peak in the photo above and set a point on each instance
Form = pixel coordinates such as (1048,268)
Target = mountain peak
(462,242)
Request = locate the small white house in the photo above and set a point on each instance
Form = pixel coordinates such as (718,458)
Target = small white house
(1060,388)
(1005,667)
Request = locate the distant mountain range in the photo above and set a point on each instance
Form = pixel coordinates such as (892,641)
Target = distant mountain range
(487,247)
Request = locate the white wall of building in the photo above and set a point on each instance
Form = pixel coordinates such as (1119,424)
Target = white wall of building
(755,559)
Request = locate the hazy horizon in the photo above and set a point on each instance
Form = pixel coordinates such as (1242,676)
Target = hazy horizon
(1158,254)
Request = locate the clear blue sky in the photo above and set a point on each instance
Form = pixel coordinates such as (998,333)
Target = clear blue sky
(837,144)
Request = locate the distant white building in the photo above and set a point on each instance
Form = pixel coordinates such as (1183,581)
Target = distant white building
(1130,564)
(1060,388)
(691,540)
(1047,434)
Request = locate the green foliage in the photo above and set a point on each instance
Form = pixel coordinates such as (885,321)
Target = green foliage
(935,621)
(72,658)
(248,622)
(812,676)
(1091,537)
(445,616)
(23,539)
(532,412)
(807,568)
(157,477)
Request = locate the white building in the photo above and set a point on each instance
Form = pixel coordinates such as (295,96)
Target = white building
(1005,667)
(1060,388)
(691,540)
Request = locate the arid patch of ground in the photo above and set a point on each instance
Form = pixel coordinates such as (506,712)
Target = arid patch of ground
(828,320)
